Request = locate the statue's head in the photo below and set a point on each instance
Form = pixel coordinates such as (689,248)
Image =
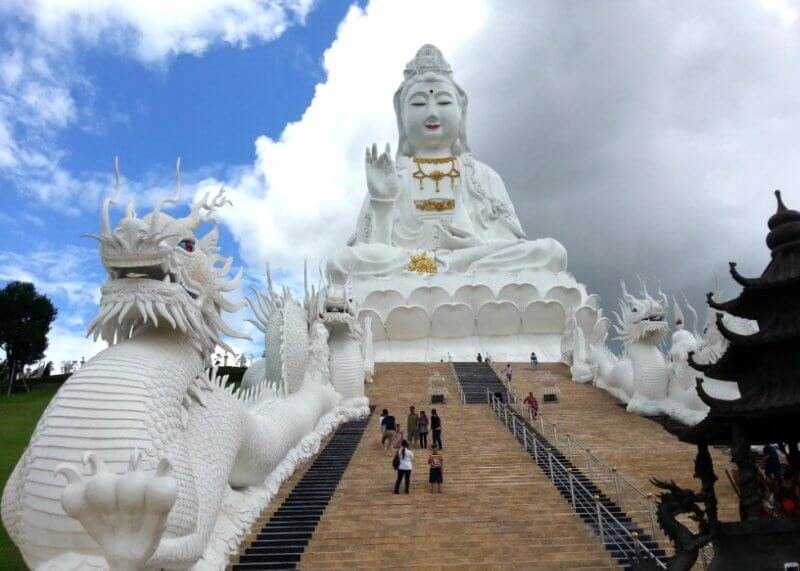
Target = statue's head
(431,108)
(160,272)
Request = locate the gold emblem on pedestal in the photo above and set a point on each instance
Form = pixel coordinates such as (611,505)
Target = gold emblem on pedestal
(421,263)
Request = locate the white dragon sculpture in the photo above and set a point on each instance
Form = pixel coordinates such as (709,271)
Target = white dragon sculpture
(351,360)
(178,465)
(706,346)
(639,376)
(643,377)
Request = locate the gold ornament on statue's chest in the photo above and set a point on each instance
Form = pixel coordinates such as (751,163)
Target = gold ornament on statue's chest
(421,263)
(436,175)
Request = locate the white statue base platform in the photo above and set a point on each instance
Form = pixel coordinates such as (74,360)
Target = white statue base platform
(433,317)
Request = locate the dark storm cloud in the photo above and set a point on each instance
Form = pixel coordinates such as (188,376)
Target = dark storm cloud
(646,136)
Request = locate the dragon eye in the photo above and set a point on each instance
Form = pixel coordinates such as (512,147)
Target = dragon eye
(187,245)
(635,310)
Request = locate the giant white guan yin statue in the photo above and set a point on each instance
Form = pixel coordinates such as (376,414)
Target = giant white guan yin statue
(176,466)
(439,261)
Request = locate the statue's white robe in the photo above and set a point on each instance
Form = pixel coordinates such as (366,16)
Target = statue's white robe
(482,209)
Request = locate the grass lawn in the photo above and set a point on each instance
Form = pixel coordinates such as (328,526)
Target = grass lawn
(18,416)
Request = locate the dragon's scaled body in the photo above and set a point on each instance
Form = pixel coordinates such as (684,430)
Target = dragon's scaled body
(165,444)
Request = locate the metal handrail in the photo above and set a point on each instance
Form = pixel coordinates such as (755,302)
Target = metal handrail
(627,493)
(599,470)
(608,526)
(461,395)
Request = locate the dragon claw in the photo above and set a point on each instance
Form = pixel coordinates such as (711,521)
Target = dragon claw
(125,513)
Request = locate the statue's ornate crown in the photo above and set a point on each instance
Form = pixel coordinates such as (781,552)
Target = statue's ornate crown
(428,58)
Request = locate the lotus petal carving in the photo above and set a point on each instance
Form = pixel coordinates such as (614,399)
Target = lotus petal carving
(383,301)
(498,318)
(474,296)
(593,301)
(377,326)
(569,297)
(429,297)
(411,322)
(520,294)
(586,318)
(453,320)
(544,317)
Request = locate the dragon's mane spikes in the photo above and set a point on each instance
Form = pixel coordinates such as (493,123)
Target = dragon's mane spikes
(270,287)
(678,313)
(694,316)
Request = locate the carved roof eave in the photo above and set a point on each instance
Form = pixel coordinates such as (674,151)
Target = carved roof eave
(707,398)
(773,275)
(726,306)
(734,338)
(740,279)
(702,367)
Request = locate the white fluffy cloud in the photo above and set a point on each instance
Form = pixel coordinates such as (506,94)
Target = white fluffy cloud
(646,137)
(152,31)
(44,90)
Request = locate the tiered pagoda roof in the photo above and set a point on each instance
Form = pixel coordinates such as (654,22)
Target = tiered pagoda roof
(766,363)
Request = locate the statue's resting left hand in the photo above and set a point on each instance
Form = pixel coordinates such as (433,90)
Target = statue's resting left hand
(448,237)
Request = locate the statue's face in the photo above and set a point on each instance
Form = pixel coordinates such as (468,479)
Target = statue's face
(431,116)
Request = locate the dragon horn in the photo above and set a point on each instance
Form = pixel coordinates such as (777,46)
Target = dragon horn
(105,225)
(694,315)
(170,200)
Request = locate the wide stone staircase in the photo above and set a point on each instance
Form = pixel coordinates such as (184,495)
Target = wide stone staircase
(497,509)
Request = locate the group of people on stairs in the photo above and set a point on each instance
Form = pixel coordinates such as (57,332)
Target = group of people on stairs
(418,425)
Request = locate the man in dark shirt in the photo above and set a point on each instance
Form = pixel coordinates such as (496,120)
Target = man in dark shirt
(389,428)
(436,427)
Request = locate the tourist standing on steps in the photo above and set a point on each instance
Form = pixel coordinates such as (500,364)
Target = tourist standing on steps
(412,426)
(480,358)
(404,468)
(399,437)
(389,429)
(436,427)
(534,361)
(508,372)
(423,429)
(384,414)
(436,463)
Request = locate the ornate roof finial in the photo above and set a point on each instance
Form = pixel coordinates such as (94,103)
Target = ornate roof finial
(784,227)
(428,58)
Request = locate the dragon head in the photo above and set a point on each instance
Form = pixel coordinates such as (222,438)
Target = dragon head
(336,302)
(642,319)
(160,272)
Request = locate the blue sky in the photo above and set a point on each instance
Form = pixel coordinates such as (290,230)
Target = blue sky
(207,108)
(646,137)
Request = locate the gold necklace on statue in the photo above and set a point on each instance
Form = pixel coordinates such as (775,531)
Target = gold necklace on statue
(436,175)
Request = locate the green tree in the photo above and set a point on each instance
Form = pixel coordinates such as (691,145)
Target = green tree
(25,319)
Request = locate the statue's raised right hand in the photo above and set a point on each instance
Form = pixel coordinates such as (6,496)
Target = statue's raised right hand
(382,180)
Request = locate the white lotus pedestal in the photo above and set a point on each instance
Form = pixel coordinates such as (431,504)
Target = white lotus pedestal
(432,317)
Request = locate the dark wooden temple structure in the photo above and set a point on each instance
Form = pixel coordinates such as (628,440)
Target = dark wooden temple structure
(766,367)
